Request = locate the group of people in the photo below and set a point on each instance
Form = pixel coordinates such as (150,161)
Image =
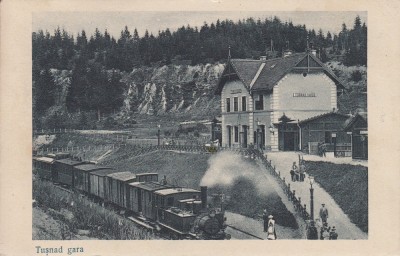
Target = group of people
(298,174)
(269,226)
(326,232)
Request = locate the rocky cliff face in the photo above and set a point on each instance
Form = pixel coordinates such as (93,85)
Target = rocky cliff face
(177,90)
(172,89)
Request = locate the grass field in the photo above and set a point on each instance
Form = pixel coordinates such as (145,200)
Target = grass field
(348,185)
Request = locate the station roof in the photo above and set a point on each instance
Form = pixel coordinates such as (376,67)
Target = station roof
(263,75)
(334,114)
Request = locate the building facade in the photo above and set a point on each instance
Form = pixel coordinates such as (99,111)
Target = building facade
(357,128)
(263,101)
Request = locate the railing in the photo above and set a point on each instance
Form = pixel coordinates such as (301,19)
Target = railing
(52,131)
(43,151)
(291,194)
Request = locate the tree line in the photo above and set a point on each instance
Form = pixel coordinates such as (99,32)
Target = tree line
(96,61)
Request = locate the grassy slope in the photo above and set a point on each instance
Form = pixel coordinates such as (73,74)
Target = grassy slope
(348,185)
(184,169)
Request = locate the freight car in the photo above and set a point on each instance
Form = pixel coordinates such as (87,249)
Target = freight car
(182,212)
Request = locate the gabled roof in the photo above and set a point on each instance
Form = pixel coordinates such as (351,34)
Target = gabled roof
(265,74)
(322,116)
(349,123)
(246,69)
(275,69)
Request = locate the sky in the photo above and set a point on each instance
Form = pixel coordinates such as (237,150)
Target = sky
(114,22)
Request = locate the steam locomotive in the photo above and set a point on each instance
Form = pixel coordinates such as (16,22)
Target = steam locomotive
(181,212)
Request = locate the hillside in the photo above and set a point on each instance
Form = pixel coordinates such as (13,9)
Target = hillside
(174,93)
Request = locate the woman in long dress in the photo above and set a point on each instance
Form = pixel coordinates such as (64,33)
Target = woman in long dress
(271,233)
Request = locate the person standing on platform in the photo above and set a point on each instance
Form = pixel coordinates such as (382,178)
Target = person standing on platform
(333,235)
(292,174)
(302,171)
(323,214)
(295,170)
(271,233)
(312,232)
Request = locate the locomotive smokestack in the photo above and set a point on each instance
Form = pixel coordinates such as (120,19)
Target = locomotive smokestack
(203,191)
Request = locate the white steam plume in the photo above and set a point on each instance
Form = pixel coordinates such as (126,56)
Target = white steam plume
(225,167)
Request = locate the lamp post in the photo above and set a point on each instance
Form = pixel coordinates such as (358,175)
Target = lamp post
(158,135)
(258,133)
(311,198)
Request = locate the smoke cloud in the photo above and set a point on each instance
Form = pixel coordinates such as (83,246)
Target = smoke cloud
(226,167)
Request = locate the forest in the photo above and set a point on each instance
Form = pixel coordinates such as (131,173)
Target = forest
(96,63)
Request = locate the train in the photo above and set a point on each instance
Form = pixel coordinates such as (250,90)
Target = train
(183,213)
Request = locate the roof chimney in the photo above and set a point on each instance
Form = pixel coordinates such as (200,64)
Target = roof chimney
(287,53)
(314,52)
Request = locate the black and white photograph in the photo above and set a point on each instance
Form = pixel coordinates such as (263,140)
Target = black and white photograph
(199,127)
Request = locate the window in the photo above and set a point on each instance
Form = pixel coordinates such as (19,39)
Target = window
(236,134)
(235,104)
(260,102)
(228,105)
(244,103)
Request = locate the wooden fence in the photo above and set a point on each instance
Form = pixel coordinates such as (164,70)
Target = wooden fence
(44,151)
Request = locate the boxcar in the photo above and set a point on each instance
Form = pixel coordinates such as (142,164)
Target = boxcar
(64,171)
(141,198)
(98,183)
(81,175)
(44,167)
(117,185)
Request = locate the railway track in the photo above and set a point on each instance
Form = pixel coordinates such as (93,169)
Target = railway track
(245,232)
(147,226)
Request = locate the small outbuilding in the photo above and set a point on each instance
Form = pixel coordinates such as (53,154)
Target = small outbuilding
(328,129)
(357,128)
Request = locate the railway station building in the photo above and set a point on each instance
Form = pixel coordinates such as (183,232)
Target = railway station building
(265,103)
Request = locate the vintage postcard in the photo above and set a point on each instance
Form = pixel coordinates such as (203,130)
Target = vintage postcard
(199,127)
